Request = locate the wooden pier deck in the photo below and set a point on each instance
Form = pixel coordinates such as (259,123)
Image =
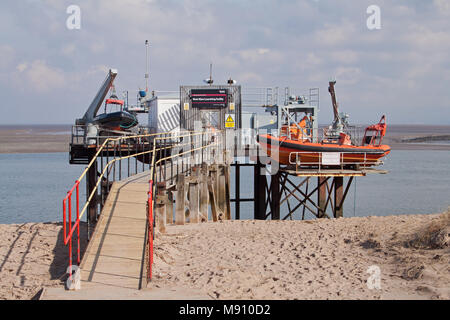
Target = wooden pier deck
(115,255)
(114,261)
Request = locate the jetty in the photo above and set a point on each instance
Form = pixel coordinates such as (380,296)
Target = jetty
(137,184)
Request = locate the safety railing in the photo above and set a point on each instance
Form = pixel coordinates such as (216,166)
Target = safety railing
(152,150)
(355,133)
(112,147)
(342,160)
(81,136)
(297,132)
(203,147)
(78,135)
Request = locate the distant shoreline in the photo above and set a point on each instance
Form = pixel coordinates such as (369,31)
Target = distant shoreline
(16,139)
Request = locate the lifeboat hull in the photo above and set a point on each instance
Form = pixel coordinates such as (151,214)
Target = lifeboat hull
(286,151)
(116,120)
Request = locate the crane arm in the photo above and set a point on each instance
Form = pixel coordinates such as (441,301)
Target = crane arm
(333,99)
(98,100)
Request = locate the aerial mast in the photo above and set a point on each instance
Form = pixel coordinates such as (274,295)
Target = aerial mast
(210,80)
(210,74)
(146,66)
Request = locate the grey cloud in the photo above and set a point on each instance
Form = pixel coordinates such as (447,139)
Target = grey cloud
(402,69)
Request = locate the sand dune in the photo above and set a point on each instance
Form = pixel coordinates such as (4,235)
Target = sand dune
(32,256)
(326,259)
(320,259)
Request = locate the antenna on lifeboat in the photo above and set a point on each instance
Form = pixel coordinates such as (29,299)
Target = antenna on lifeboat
(146,66)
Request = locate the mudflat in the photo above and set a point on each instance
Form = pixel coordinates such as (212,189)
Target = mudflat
(56,138)
(34,138)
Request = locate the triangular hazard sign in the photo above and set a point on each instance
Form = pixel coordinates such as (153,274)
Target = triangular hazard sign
(230,119)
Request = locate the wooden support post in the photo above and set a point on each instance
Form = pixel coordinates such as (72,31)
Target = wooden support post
(194,202)
(221,193)
(259,197)
(321,196)
(91,182)
(180,205)
(338,193)
(227,192)
(160,210)
(212,199)
(275,196)
(237,181)
(204,192)
(169,207)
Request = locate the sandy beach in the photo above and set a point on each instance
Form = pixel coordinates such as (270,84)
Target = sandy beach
(320,259)
(32,256)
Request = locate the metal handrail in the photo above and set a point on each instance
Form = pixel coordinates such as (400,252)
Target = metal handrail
(70,230)
(152,184)
(365,162)
(67,201)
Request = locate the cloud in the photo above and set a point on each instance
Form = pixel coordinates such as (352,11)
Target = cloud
(443,6)
(345,56)
(257,55)
(274,43)
(425,38)
(68,49)
(335,34)
(249,77)
(7,54)
(39,77)
(348,75)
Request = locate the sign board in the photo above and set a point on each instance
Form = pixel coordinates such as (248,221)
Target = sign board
(229,120)
(331,158)
(209,98)
(232,106)
(186,106)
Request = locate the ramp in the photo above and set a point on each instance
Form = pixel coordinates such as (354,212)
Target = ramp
(115,254)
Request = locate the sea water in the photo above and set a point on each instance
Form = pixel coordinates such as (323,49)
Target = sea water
(418,182)
(32,186)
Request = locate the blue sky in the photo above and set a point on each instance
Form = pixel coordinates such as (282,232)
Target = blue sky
(49,74)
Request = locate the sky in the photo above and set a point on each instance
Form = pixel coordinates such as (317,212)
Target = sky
(50,73)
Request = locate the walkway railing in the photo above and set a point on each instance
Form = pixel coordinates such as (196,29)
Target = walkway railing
(203,147)
(152,149)
(334,159)
(112,146)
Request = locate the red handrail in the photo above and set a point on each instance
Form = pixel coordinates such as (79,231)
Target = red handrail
(67,204)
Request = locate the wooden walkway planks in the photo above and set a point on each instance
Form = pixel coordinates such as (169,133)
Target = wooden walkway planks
(115,254)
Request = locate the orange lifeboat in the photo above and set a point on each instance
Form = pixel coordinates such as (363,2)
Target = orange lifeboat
(297,148)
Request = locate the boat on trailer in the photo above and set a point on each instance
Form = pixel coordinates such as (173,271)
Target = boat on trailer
(294,145)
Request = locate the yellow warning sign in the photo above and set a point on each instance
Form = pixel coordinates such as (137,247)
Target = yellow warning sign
(186,106)
(229,120)
(231,105)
